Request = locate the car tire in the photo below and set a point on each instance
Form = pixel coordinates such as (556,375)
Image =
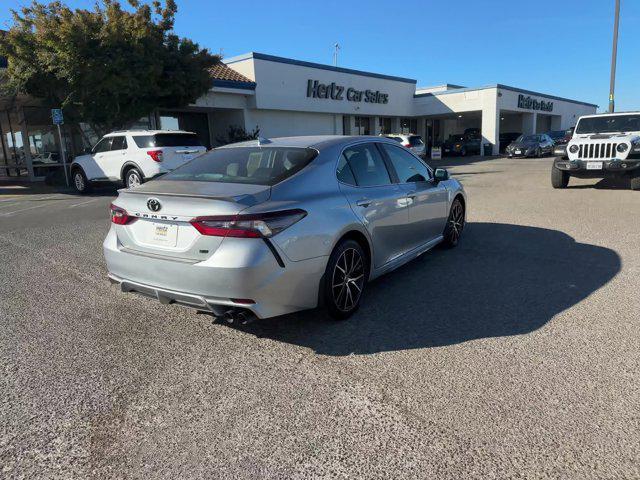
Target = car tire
(559,178)
(79,181)
(463,152)
(635,181)
(133,178)
(344,279)
(455,224)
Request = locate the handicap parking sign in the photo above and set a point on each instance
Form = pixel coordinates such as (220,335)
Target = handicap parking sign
(56,115)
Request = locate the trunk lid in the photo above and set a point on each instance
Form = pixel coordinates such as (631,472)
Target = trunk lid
(163,209)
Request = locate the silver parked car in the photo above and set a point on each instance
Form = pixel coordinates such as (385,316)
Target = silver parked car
(268,227)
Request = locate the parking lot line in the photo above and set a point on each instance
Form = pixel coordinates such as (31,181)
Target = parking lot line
(7,214)
(84,203)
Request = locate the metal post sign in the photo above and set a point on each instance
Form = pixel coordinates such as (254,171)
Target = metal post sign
(56,115)
(58,119)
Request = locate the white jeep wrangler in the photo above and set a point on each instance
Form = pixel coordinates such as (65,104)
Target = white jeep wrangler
(604,145)
(134,156)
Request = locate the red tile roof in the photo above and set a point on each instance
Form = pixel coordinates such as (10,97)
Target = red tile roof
(221,72)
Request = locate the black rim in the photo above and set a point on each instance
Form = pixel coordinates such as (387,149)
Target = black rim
(347,280)
(456,222)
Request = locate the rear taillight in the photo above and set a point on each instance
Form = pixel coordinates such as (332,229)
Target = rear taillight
(119,216)
(156,155)
(406,145)
(262,225)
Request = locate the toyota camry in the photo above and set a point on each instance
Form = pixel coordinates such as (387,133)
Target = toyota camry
(273,226)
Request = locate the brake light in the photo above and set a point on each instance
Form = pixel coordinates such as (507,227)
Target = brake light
(406,145)
(261,225)
(156,155)
(119,216)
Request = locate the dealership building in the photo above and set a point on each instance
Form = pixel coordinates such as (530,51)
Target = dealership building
(282,97)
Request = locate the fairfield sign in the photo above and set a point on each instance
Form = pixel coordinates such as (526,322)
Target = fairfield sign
(331,91)
(533,104)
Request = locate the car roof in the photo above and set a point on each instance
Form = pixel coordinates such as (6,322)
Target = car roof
(145,132)
(308,141)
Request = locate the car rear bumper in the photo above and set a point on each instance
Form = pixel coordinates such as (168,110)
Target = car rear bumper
(609,167)
(238,271)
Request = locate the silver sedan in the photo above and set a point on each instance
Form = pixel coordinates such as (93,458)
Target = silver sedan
(269,227)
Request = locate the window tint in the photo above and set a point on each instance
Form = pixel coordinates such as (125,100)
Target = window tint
(168,140)
(103,145)
(119,143)
(255,165)
(367,165)
(344,173)
(415,141)
(408,167)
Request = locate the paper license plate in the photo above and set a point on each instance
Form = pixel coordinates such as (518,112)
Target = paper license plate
(594,165)
(518,152)
(164,234)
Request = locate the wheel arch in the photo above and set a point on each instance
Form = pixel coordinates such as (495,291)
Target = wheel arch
(128,165)
(361,238)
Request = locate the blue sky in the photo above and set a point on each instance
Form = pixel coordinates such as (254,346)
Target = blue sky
(561,47)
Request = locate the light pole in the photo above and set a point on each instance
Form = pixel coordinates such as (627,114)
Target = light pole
(614,55)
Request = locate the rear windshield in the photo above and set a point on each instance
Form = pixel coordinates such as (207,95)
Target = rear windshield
(168,140)
(415,141)
(254,165)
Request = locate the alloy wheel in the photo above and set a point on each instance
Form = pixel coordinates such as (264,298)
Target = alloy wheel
(347,280)
(78,181)
(133,180)
(456,222)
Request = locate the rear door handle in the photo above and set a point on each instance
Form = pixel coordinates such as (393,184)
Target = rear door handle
(411,194)
(363,202)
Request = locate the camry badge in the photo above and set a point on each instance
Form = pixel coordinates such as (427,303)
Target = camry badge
(153,204)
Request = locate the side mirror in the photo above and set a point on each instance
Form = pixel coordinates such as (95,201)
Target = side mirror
(441,174)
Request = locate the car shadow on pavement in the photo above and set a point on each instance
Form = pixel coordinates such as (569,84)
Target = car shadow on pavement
(610,183)
(502,280)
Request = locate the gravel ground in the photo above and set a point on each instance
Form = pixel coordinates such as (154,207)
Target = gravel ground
(515,355)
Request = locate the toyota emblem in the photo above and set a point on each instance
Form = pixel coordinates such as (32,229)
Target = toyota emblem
(153,204)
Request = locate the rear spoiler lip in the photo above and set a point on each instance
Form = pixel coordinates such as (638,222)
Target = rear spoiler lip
(130,191)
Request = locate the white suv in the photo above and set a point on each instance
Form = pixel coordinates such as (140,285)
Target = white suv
(132,157)
(409,140)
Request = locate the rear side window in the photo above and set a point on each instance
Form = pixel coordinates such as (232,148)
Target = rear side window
(168,140)
(367,165)
(119,143)
(415,141)
(344,173)
(254,165)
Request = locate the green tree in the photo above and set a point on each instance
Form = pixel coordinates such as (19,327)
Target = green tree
(108,66)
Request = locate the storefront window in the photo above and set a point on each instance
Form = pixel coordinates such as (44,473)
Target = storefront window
(43,142)
(363,126)
(13,161)
(409,125)
(384,124)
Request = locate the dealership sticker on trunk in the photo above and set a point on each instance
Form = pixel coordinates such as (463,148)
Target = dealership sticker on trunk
(165,234)
(594,165)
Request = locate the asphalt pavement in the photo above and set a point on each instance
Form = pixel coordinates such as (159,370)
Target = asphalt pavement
(515,355)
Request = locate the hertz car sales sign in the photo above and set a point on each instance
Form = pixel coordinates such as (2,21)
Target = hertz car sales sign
(533,104)
(331,91)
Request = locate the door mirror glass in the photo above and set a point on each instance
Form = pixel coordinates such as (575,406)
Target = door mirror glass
(441,174)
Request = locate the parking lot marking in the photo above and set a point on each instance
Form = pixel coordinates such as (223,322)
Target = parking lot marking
(84,203)
(7,214)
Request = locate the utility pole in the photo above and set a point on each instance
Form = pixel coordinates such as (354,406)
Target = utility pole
(336,48)
(614,55)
